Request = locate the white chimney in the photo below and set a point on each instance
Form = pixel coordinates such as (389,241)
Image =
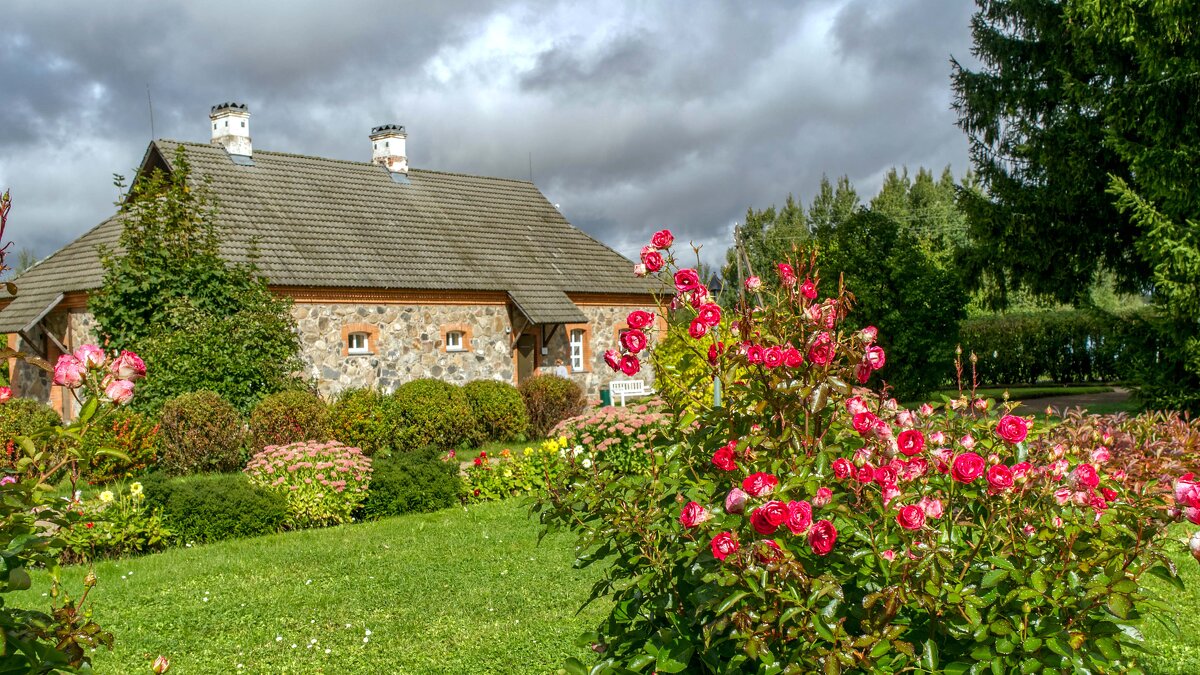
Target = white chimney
(231,128)
(388,147)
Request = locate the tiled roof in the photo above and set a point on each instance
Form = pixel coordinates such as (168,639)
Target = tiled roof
(331,223)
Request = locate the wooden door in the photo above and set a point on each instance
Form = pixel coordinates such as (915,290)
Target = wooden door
(526,356)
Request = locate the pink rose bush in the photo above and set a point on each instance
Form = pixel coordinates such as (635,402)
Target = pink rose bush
(323,483)
(805,524)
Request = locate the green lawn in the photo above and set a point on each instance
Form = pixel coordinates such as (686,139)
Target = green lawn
(458,591)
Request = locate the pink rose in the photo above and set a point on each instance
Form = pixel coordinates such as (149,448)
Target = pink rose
(653,260)
(890,492)
(799,516)
(967,442)
(723,545)
(842,468)
(725,458)
(822,536)
(1012,428)
(91,356)
(808,289)
(911,517)
(925,410)
(755,353)
(119,391)
(868,335)
(754,284)
(69,371)
(710,314)
(786,274)
(1086,476)
(735,501)
(906,419)
(1062,496)
(768,517)
(999,478)
(772,357)
(697,329)
(967,467)
(875,357)
(937,438)
(1101,455)
(633,340)
(630,365)
(823,497)
(885,476)
(888,555)
(865,474)
(639,270)
(862,372)
(1187,490)
(128,366)
(613,358)
(822,350)
(931,506)
(687,280)
(792,358)
(759,484)
(8,480)
(639,319)
(5,394)
(911,442)
(915,468)
(662,239)
(693,514)
(855,405)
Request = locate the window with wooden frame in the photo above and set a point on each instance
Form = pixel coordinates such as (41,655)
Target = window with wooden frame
(456,337)
(579,348)
(359,339)
(358,343)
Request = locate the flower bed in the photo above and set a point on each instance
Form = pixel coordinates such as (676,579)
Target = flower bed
(323,482)
(619,439)
(514,473)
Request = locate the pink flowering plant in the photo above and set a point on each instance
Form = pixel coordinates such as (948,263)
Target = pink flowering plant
(809,523)
(616,438)
(323,483)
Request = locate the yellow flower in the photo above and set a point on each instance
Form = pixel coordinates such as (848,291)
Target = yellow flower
(106,496)
(508,473)
(135,489)
(528,451)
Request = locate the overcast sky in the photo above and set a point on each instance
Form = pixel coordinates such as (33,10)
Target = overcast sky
(637,115)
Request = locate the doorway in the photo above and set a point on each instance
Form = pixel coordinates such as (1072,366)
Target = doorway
(526,356)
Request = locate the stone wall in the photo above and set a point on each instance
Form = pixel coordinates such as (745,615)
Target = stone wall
(605,323)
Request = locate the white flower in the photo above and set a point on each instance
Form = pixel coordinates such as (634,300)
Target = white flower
(587,463)
(368,631)
(106,496)
(135,490)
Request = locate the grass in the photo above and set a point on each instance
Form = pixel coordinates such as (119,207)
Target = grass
(1026,393)
(458,591)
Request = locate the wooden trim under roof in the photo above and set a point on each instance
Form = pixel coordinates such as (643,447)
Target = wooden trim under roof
(621,299)
(388,296)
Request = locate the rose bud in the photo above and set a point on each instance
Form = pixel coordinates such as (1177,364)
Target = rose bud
(735,501)
(888,555)
(823,497)
(753,284)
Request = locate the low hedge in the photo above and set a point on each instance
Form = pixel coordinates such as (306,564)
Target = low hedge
(207,508)
(414,482)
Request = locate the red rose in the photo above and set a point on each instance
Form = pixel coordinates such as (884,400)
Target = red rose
(697,329)
(864,422)
(786,274)
(662,239)
(1012,428)
(999,478)
(842,468)
(772,357)
(768,517)
(724,544)
(1110,495)
(865,474)
(911,517)
(822,350)
(693,514)
(911,441)
(714,351)
(759,484)
(755,354)
(792,358)
(633,340)
(613,358)
(710,313)
(967,467)
(875,357)
(653,261)
(639,319)
(687,280)
(885,476)
(1086,476)
(630,365)
(862,372)
(799,516)
(725,458)
(822,536)
(808,289)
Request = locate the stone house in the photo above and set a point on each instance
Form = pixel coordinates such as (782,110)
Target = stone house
(395,273)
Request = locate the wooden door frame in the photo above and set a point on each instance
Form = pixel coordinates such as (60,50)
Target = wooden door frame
(537,352)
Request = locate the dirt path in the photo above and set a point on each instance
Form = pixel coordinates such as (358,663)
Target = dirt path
(1038,405)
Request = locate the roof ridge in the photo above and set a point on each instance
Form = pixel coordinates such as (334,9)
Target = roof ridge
(277,153)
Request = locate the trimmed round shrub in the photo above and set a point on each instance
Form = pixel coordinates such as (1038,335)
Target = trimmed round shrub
(414,482)
(212,507)
(22,417)
(499,411)
(131,433)
(431,412)
(550,399)
(323,483)
(287,417)
(200,433)
(358,417)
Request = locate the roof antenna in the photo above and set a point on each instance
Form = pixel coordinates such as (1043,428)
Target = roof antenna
(150,104)
(531,167)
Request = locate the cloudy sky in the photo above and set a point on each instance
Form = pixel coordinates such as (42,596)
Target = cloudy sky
(637,115)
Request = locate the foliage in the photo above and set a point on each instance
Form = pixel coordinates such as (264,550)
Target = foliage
(524,472)
(114,525)
(498,409)
(23,417)
(915,301)
(1152,446)
(133,435)
(213,507)
(800,528)
(413,482)
(289,416)
(1066,346)
(199,322)
(323,483)
(200,433)
(550,399)
(430,412)
(619,439)
(359,418)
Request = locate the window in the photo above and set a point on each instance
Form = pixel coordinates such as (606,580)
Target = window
(454,341)
(577,339)
(357,343)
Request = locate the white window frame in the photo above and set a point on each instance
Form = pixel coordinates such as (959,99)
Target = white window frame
(364,348)
(455,340)
(577,364)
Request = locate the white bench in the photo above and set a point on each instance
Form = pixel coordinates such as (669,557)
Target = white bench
(625,388)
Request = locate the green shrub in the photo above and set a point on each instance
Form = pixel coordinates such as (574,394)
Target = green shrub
(413,482)
(520,473)
(550,399)
(323,483)
(358,418)
(212,507)
(498,409)
(22,417)
(131,433)
(288,417)
(114,524)
(431,412)
(201,433)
